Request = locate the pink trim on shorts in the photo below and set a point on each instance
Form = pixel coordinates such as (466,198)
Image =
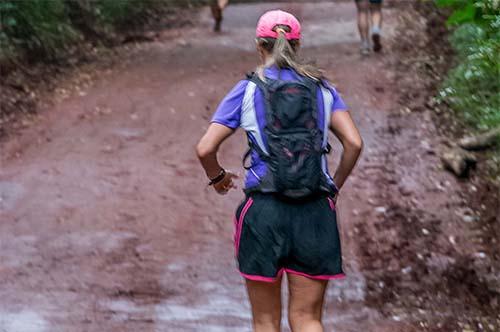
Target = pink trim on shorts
(239,225)
(235,222)
(280,272)
(261,278)
(332,203)
(320,277)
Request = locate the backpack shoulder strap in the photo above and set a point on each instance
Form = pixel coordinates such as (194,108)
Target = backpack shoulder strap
(264,86)
(253,146)
(327,103)
(312,86)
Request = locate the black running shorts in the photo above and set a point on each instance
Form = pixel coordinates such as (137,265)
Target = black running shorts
(273,235)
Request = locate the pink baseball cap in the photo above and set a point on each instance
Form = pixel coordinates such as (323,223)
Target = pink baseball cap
(268,21)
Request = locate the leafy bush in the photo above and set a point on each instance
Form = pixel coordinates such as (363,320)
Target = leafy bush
(473,86)
(41,28)
(113,12)
(34,26)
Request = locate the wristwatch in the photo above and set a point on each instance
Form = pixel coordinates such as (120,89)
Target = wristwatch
(218,178)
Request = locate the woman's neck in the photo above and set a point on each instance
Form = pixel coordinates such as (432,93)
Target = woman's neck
(268,61)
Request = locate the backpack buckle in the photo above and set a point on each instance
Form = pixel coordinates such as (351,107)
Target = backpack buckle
(328,148)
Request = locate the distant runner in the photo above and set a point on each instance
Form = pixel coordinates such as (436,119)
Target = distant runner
(369,11)
(217,7)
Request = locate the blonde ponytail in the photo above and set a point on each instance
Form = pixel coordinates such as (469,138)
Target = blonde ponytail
(284,55)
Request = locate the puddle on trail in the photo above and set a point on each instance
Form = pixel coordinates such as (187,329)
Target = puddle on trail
(10,193)
(23,321)
(350,289)
(207,302)
(129,134)
(17,251)
(84,242)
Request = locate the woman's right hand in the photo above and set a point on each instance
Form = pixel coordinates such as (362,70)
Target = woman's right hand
(227,183)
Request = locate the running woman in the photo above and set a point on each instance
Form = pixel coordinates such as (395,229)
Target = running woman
(369,11)
(217,7)
(287,222)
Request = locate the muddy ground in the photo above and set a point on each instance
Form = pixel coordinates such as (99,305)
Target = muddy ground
(107,224)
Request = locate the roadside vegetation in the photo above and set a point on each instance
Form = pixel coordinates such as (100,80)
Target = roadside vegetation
(43,30)
(472,87)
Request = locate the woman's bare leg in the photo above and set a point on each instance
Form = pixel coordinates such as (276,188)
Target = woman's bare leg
(217,7)
(265,298)
(222,4)
(306,303)
(363,25)
(376,14)
(376,21)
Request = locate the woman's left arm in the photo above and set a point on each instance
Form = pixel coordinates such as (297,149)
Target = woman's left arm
(346,131)
(207,153)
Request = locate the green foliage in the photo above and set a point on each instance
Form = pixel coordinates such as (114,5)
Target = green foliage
(41,28)
(466,11)
(34,25)
(115,12)
(473,86)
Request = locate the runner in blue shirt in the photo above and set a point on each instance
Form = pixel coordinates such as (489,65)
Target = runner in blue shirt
(287,223)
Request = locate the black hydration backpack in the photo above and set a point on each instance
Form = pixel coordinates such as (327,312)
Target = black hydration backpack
(294,139)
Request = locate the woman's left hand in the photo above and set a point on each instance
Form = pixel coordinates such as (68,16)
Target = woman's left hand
(334,198)
(223,186)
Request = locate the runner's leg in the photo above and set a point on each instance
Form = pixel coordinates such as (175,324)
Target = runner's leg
(306,303)
(216,13)
(363,26)
(265,298)
(376,21)
(222,4)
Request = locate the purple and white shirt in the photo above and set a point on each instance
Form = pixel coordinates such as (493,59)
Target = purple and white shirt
(244,107)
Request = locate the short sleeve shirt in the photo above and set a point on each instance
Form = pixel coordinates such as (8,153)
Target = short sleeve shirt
(244,107)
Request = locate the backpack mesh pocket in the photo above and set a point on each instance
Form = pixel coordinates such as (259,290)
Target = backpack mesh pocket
(297,163)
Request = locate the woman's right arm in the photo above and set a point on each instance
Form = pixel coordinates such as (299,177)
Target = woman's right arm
(207,153)
(344,128)
(224,122)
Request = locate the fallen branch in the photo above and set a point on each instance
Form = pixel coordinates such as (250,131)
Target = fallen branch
(482,141)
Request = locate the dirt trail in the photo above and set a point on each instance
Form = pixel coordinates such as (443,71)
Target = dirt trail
(106,223)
